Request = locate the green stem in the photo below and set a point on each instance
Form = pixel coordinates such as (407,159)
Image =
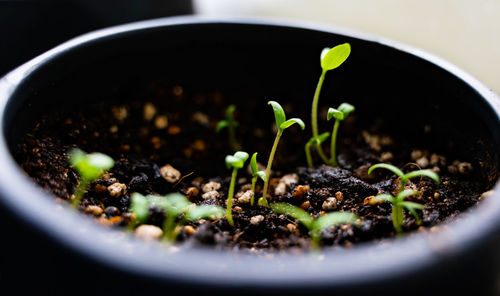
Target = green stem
(402,184)
(308,155)
(229,215)
(232,135)
(333,155)
(80,191)
(315,239)
(397,218)
(314,114)
(269,163)
(169,227)
(254,180)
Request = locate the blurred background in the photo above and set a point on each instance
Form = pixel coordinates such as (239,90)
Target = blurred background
(464,32)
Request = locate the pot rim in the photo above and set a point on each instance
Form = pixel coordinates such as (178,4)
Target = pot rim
(363,264)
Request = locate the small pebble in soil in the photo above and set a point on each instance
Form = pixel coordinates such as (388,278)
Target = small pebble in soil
(94,210)
(149,111)
(148,232)
(245,197)
(255,220)
(119,113)
(100,189)
(237,209)
(189,229)
(339,195)
(201,118)
(174,130)
(464,168)
(291,227)
(386,156)
(111,211)
(170,174)
(192,192)
(211,186)
(329,204)
(416,154)
(437,160)
(486,194)
(305,205)
(210,195)
(117,189)
(161,121)
(369,200)
(300,191)
(423,162)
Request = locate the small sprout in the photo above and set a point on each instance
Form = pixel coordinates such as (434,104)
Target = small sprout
(255,174)
(316,141)
(236,161)
(405,177)
(231,125)
(339,114)
(177,208)
(398,204)
(331,58)
(315,226)
(90,167)
(282,124)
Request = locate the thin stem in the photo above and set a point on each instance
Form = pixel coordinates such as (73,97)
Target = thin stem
(232,137)
(254,180)
(269,163)
(80,191)
(315,239)
(321,153)
(308,155)
(314,112)
(397,217)
(169,227)
(333,155)
(402,184)
(230,198)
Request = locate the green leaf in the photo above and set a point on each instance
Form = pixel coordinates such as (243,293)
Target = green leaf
(139,206)
(412,205)
(295,212)
(292,121)
(334,113)
(384,197)
(204,211)
(324,52)
(389,167)
(346,108)
(220,125)
(262,175)
(319,139)
(335,218)
(335,56)
(89,166)
(406,193)
(427,173)
(176,203)
(279,113)
(253,164)
(237,160)
(229,112)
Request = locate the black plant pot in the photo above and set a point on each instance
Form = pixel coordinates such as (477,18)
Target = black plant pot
(273,60)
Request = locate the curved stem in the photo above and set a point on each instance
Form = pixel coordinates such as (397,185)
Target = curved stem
(79,192)
(321,154)
(314,112)
(269,163)
(254,180)
(232,137)
(333,155)
(397,218)
(308,155)
(229,215)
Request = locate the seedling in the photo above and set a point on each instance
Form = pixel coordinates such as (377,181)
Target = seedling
(231,125)
(177,208)
(405,177)
(339,114)
(89,167)
(398,204)
(255,174)
(314,141)
(331,58)
(315,226)
(282,124)
(236,162)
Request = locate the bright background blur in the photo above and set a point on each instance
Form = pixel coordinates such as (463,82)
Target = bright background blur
(464,32)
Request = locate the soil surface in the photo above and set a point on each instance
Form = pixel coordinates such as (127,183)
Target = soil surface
(169,126)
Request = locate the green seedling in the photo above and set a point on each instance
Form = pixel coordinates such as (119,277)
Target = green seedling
(236,162)
(339,114)
(405,177)
(231,125)
(255,174)
(177,208)
(398,204)
(315,226)
(317,142)
(282,124)
(331,58)
(89,167)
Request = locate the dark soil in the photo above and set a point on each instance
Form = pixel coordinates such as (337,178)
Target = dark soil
(141,146)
